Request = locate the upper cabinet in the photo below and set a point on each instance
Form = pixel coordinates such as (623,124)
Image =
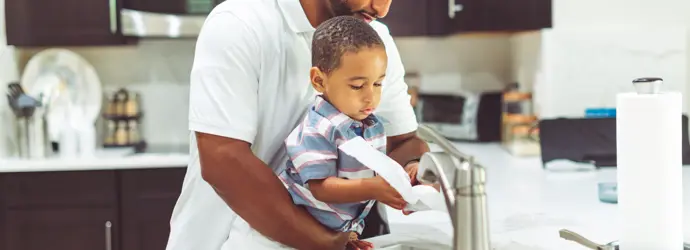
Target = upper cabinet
(101,22)
(113,22)
(444,17)
(63,23)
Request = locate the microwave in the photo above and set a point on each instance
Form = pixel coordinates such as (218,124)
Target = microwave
(462,116)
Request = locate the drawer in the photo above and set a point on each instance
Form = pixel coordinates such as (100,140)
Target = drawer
(70,189)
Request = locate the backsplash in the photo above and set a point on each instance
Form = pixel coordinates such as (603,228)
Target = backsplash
(166,61)
(159,70)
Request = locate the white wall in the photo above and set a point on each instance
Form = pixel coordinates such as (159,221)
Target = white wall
(638,31)
(597,13)
(480,61)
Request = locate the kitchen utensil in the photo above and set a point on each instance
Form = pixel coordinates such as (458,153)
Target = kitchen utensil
(613,245)
(39,144)
(14,89)
(22,104)
(30,120)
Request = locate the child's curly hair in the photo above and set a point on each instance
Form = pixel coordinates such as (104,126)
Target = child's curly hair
(339,35)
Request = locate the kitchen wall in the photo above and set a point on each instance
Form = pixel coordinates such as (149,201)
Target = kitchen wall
(649,37)
(160,70)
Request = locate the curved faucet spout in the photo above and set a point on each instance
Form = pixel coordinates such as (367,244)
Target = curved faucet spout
(462,182)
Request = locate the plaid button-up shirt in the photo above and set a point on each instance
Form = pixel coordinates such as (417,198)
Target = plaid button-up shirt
(313,153)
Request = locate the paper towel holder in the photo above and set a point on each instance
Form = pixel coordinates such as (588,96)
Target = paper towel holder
(648,85)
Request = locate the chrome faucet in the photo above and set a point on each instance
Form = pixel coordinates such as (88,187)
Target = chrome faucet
(462,184)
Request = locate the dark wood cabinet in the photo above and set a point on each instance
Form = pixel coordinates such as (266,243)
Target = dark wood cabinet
(90,23)
(59,210)
(124,209)
(444,17)
(502,15)
(147,200)
(71,228)
(77,23)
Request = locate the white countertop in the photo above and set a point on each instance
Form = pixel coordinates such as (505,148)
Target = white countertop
(98,162)
(528,205)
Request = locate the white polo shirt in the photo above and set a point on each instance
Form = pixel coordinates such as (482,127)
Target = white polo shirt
(250,81)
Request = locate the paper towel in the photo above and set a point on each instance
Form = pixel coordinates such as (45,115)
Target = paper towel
(419,198)
(650,184)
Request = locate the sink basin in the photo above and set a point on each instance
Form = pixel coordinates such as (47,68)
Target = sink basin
(413,236)
(415,246)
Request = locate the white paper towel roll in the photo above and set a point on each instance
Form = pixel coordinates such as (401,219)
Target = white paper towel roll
(650,183)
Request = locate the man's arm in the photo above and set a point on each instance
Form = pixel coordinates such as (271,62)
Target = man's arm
(253,191)
(223,113)
(406,147)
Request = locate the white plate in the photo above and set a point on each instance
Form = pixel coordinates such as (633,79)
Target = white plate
(67,81)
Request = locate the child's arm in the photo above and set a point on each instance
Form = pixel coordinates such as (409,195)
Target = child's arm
(338,190)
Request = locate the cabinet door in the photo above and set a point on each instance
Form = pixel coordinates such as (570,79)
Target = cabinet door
(501,15)
(60,228)
(417,18)
(401,14)
(63,22)
(59,210)
(148,197)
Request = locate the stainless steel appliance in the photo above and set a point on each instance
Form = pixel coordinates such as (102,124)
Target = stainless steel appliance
(466,116)
(158,18)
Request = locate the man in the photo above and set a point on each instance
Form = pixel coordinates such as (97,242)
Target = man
(249,89)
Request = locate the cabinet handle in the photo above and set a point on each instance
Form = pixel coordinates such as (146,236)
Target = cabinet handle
(112,8)
(453,8)
(108,235)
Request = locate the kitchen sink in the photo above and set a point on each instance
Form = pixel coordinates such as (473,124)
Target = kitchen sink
(403,247)
(416,246)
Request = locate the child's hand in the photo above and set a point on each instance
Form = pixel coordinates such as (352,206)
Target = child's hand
(356,244)
(384,193)
(359,245)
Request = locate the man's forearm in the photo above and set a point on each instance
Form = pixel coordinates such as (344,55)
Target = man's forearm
(407,147)
(253,191)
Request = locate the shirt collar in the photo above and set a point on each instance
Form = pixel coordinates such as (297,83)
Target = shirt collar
(294,15)
(339,119)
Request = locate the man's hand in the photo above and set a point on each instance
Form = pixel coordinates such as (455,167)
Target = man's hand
(411,170)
